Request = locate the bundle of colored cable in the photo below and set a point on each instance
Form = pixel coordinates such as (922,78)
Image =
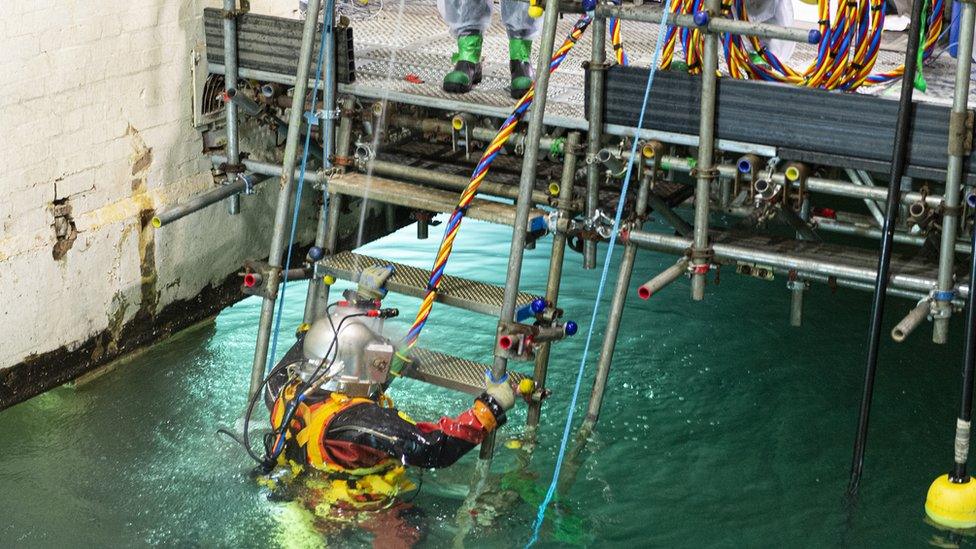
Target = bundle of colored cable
(846,54)
(479,174)
(619,55)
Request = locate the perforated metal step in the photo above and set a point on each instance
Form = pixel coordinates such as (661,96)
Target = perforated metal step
(454,291)
(385,190)
(450,371)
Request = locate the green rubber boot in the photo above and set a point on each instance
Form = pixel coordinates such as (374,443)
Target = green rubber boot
(520,65)
(467,65)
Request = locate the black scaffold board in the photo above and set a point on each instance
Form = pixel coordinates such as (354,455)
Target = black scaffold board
(837,128)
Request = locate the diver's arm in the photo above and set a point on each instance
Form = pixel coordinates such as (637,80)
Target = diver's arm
(428,445)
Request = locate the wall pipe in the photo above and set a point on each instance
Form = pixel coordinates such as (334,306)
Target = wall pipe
(707,173)
(230,89)
(714,24)
(555,269)
(278,237)
(898,156)
(205,199)
(911,321)
(854,229)
(315,303)
(786,261)
(597,69)
(523,204)
(958,153)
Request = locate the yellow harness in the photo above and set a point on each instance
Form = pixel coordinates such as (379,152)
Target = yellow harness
(337,486)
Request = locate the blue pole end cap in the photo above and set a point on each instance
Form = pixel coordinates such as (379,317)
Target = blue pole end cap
(315,253)
(814,36)
(744,166)
(589,5)
(701,18)
(538,305)
(571,328)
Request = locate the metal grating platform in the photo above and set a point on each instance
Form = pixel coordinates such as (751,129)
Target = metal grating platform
(454,291)
(425,198)
(408,38)
(451,372)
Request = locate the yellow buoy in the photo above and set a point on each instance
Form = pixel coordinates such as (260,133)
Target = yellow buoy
(952,504)
(513,444)
(329,280)
(526,386)
(535,11)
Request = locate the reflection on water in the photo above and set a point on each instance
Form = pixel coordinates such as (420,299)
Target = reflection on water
(722,426)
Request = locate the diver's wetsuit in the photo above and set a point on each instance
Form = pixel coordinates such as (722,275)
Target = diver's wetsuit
(366,434)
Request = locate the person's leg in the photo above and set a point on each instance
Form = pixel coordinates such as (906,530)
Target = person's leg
(467,21)
(521,30)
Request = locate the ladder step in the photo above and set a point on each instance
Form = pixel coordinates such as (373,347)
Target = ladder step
(454,291)
(451,372)
(418,197)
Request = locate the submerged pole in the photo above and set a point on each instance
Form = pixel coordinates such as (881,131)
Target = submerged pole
(613,318)
(555,268)
(314,305)
(283,207)
(951,500)
(898,157)
(524,202)
(700,252)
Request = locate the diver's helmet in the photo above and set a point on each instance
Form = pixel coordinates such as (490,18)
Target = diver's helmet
(356,362)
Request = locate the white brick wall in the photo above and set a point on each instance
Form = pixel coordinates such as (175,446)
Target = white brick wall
(88,87)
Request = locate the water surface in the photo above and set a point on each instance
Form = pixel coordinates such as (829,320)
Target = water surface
(722,425)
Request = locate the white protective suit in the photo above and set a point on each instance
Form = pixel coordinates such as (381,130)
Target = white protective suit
(465,17)
(774,12)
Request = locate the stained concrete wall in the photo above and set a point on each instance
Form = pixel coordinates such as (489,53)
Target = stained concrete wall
(95,113)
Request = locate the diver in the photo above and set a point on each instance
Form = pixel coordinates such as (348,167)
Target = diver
(468,20)
(330,414)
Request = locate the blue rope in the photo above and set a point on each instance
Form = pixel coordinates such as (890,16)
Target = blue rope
(540,515)
(329,10)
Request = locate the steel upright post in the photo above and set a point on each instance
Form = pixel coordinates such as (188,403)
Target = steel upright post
(594,135)
(706,145)
(958,152)
(526,185)
(555,265)
(283,207)
(230,88)
(314,304)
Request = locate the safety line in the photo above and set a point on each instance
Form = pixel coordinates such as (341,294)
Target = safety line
(540,515)
(327,22)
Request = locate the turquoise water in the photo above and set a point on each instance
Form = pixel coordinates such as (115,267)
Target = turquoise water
(722,426)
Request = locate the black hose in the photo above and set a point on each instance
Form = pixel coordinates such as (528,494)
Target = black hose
(898,157)
(959,473)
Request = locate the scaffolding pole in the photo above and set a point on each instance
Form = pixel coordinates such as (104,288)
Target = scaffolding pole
(960,126)
(278,237)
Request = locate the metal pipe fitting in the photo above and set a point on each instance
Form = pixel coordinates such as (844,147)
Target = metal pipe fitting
(911,320)
(246,104)
(203,200)
(665,277)
(615,165)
